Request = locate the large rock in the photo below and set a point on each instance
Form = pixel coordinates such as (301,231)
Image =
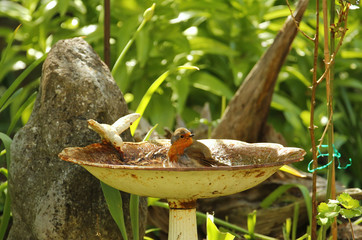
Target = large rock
(53,199)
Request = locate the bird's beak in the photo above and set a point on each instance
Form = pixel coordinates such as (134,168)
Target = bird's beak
(191,135)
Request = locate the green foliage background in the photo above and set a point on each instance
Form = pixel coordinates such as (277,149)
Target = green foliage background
(223,38)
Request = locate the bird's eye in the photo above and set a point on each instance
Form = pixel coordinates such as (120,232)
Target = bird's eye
(182,136)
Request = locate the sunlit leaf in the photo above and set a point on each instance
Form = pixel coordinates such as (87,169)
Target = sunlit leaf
(351,54)
(214,233)
(209,83)
(14,10)
(279,11)
(209,45)
(151,200)
(5,52)
(350,213)
(251,223)
(148,135)
(327,212)
(19,80)
(347,201)
(292,171)
(298,75)
(63,6)
(143,42)
(180,92)
(147,96)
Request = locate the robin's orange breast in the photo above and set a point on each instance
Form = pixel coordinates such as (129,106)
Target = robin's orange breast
(178,148)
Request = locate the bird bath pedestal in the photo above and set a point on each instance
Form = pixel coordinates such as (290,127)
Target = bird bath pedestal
(140,170)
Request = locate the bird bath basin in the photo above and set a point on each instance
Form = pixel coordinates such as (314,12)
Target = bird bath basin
(140,169)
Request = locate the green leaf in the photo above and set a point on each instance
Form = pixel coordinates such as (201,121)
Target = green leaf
(151,90)
(282,189)
(305,116)
(11,99)
(323,207)
(209,83)
(7,142)
(351,83)
(5,53)
(212,46)
(279,11)
(297,74)
(114,201)
(19,112)
(5,172)
(251,223)
(214,233)
(180,92)
(295,221)
(290,110)
(63,6)
(284,104)
(143,42)
(148,135)
(328,211)
(151,201)
(359,220)
(19,80)
(150,230)
(15,10)
(149,12)
(347,201)
(161,112)
(7,206)
(324,221)
(121,76)
(286,228)
(350,213)
(351,54)
(332,214)
(147,15)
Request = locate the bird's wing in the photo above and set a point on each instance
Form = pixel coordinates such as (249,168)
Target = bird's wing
(202,153)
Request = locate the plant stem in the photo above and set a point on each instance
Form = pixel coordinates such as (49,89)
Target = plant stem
(119,61)
(329,100)
(332,168)
(331,193)
(350,224)
(312,127)
(134,211)
(147,15)
(107,33)
(295,221)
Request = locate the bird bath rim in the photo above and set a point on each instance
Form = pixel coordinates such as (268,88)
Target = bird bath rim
(182,186)
(183,182)
(298,156)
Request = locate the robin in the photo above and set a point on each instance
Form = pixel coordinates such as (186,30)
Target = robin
(187,152)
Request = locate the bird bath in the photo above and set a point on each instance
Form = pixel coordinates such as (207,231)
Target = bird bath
(140,169)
